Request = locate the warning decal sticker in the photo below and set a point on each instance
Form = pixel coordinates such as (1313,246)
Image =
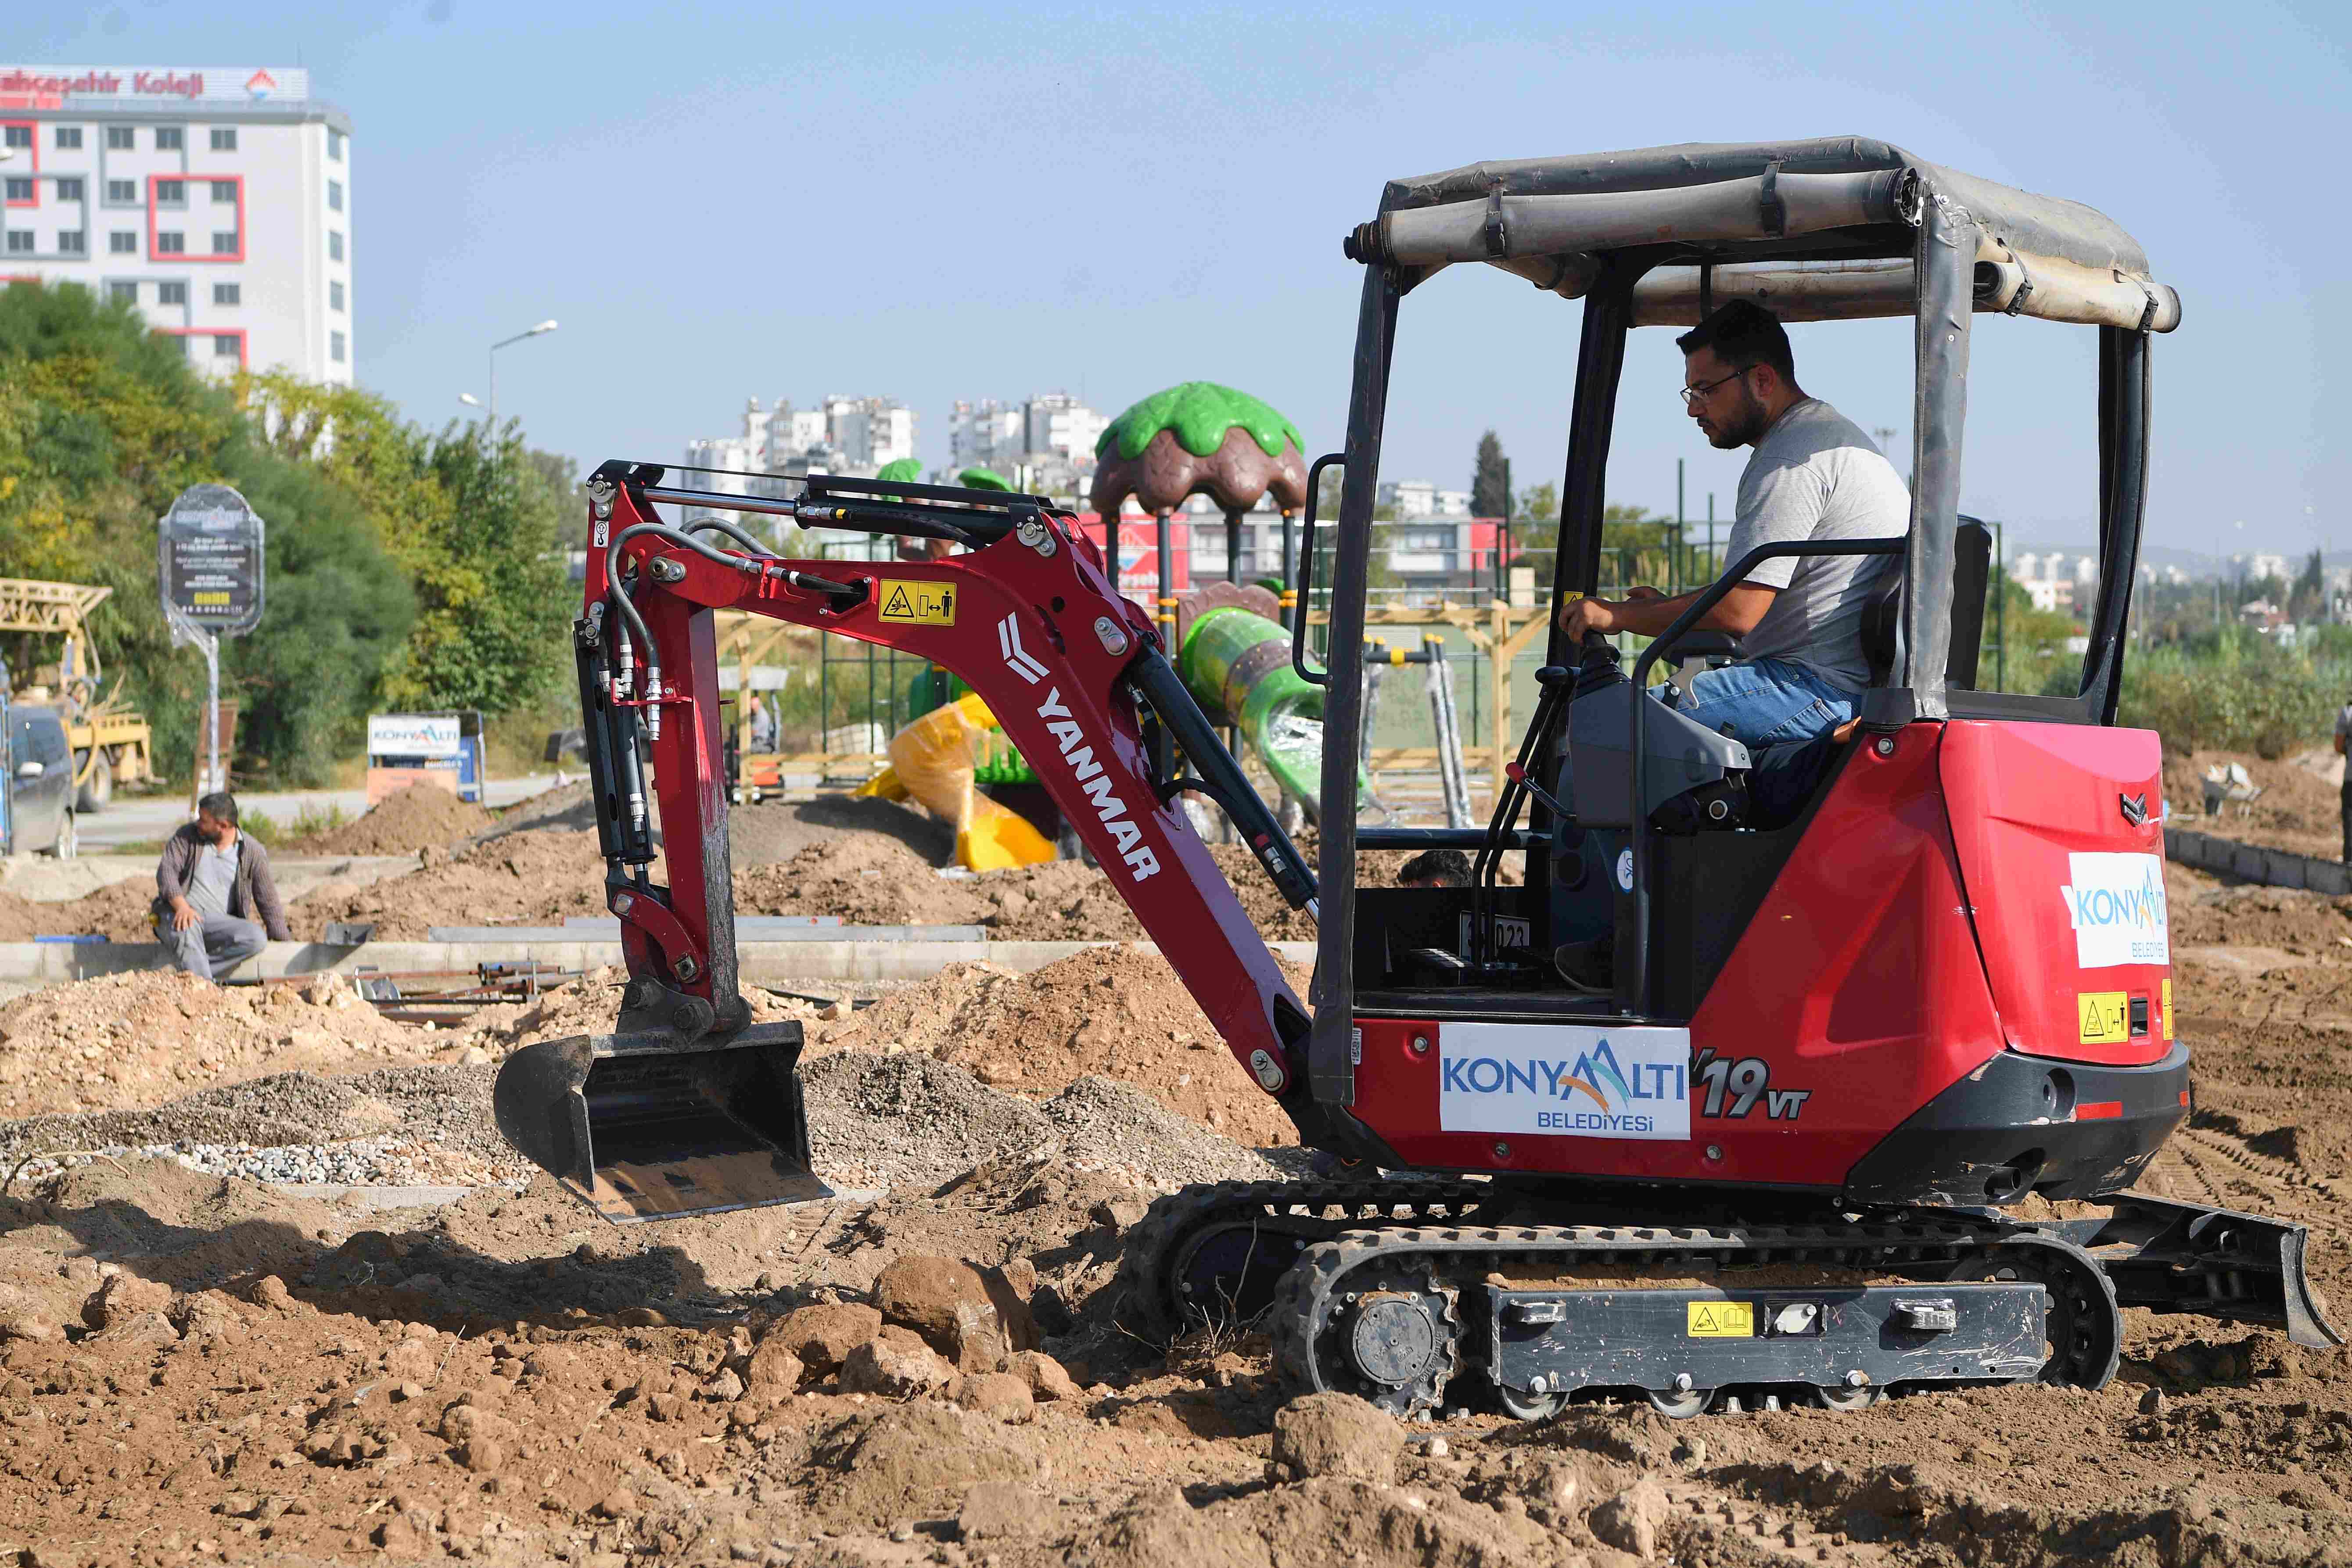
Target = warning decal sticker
(1720,1320)
(918,604)
(2105,1016)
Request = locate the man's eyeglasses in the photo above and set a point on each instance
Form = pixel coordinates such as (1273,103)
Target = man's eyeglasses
(1691,395)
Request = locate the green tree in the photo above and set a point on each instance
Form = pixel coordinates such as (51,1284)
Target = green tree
(1490,480)
(101,424)
(2310,590)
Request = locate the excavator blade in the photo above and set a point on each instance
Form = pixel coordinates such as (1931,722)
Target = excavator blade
(643,1126)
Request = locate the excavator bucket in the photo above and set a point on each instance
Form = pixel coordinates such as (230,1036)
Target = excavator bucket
(641,1127)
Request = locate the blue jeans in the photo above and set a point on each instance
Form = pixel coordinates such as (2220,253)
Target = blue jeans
(1763,702)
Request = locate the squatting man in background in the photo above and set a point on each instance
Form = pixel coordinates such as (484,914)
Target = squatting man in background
(1813,476)
(210,884)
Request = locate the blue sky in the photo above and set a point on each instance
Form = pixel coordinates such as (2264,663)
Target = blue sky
(939,202)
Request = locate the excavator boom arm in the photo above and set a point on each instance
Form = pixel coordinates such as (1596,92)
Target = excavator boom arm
(1029,619)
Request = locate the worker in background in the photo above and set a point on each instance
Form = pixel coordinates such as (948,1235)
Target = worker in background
(2343,730)
(211,883)
(1813,476)
(763,724)
(1435,869)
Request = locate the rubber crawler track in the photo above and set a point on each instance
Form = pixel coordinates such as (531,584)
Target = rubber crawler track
(2084,1325)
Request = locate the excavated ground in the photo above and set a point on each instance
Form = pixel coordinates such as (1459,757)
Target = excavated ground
(199,1365)
(2299,808)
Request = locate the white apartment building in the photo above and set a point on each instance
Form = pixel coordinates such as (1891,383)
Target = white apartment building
(869,432)
(987,435)
(1059,424)
(1420,498)
(217,199)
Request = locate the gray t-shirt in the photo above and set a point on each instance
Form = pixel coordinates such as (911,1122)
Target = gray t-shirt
(1816,475)
(212,877)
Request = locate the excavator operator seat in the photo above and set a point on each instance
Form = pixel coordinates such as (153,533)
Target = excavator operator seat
(1680,757)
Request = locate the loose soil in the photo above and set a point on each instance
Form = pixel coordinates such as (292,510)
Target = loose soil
(2300,808)
(199,1368)
(400,823)
(1112,1010)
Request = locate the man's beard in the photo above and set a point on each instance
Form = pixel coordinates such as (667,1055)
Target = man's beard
(1749,424)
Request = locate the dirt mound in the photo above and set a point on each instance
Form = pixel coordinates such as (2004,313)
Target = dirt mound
(415,818)
(1112,1010)
(2299,808)
(772,831)
(534,877)
(571,806)
(118,911)
(1068,900)
(133,1039)
(863,878)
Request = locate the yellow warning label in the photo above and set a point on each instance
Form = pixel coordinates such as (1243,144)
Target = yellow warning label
(2105,1017)
(1720,1320)
(919,603)
(2168,1009)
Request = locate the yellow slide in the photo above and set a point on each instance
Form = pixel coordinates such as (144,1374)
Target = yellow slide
(931,760)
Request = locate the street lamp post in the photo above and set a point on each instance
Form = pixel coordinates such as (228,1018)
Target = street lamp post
(535,331)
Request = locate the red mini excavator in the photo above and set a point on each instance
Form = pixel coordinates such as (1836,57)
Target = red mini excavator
(1885,1039)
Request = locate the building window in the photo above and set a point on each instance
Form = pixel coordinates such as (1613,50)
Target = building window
(223,190)
(334,195)
(17,135)
(225,344)
(70,190)
(170,293)
(117,138)
(335,347)
(73,242)
(122,193)
(228,294)
(224,242)
(224,138)
(19,190)
(170,139)
(171,242)
(123,242)
(122,293)
(68,138)
(20,242)
(334,296)
(335,245)
(171,192)
(334,146)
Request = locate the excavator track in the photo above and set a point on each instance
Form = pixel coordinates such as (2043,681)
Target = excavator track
(1395,1314)
(1212,1254)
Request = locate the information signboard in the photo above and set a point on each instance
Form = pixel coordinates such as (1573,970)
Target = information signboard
(210,561)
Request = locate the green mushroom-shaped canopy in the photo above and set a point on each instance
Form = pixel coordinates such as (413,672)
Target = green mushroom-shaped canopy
(978,479)
(1199,438)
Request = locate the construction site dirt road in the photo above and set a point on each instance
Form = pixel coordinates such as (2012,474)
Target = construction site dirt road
(206,1367)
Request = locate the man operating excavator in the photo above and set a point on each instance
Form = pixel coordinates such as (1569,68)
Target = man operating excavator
(1813,476)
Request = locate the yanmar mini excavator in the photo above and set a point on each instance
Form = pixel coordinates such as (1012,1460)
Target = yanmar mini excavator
(1860,1104)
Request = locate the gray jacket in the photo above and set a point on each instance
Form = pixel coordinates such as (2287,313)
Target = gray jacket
(255,895)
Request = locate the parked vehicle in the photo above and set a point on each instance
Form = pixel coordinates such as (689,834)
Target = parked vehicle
(40,783)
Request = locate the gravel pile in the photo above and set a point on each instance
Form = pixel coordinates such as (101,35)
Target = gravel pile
(398,1125)
(892,1120)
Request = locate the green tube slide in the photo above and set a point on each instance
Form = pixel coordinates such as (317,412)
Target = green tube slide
(1237,666)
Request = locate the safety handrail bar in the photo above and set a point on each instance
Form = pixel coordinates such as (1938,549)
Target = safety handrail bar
(1306,573)
(1633,971)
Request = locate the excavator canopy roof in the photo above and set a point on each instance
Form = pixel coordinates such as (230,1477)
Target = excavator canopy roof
(1817,229)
